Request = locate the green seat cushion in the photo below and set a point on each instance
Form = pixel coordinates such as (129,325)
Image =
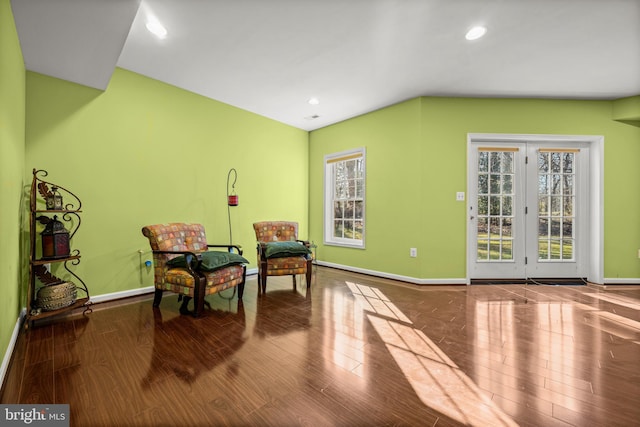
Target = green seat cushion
(210,260)
(285,249)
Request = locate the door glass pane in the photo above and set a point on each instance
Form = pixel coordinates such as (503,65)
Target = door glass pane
(556,205)
(506,227)
(556,188)
(495,157)
(567,206)
(507,249)
(543,162)
(494,235)
(483,228)
(507,184)
(494,249)
(507,162)
(483,205)
(507,205)
(555,162)
(555,228)
(554,245)
(556,179)
(483,161)
(567,187)
(543,249)
(567,162)
(543,227)
(495,184)
(483,250)
(567,249)
(543,205)
(483,184)
(543,184)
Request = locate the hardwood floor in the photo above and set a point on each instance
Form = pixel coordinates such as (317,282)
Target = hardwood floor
(355,350)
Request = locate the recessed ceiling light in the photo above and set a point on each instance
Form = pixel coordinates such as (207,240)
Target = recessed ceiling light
(476,33)
(156,29)
(314,101)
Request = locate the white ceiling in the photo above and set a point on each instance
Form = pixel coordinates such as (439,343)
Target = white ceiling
(270,56)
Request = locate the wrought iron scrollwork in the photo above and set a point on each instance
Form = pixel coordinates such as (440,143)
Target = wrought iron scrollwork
(41,189)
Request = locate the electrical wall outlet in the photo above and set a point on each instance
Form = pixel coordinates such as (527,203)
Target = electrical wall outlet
(460,196)
(413,252)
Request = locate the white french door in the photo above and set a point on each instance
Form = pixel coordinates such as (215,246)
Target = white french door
(528,209)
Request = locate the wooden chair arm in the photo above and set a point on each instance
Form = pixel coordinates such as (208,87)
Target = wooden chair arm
(229,247)
(262,246)
(189,257)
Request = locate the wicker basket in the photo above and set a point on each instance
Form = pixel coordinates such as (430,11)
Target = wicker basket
(57,296)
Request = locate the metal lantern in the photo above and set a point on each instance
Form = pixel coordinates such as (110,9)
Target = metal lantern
(232,198)
(54,199)
(55,240)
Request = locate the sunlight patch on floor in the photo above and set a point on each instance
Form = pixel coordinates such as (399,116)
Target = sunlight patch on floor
(617,299)
(373,300)
(435,378)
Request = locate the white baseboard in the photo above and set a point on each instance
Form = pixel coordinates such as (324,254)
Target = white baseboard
(122,294)
(619,281)
(415,280)
(12,344)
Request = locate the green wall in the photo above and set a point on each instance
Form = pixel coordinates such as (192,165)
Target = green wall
(627,110)
(144,152)
(416,162)
(392,212)
(12,123)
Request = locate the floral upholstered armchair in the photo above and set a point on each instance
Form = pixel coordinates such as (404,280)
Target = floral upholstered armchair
(184,265)
(280,253)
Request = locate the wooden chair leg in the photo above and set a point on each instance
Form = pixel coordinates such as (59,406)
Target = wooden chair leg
(241,285)
(157,297)
(308,272)
(198,294)
(184,309)
(262,284)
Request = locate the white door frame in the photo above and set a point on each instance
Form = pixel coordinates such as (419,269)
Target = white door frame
(595,259)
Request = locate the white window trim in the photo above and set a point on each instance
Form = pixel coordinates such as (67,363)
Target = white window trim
(328,197)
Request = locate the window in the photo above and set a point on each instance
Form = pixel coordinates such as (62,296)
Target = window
(344,177)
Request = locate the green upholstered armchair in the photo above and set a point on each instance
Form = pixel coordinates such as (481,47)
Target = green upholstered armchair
(189,280)
(280,253)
